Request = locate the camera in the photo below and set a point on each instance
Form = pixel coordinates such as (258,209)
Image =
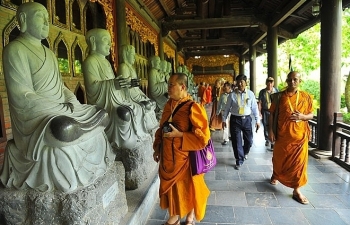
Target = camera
(166,127)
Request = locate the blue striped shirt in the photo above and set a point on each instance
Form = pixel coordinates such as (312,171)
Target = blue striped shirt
(249,103)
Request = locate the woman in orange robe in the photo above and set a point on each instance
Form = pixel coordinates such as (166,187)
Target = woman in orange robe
(180,192)
(290,154)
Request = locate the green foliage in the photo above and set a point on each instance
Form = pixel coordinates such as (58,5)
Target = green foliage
(63,65)
(342,101)
(346,118)
(312,87)
(305,52)
(77,66)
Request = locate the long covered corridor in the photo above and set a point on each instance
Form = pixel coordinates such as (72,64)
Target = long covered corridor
(246,196)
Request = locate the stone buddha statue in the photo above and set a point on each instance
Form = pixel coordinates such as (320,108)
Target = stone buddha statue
(58,143)
(164,69)
(169,70)
(127,126)
(157,86)
(127,71)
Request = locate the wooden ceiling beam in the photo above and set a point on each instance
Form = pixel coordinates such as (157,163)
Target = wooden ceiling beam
(209,43)
(212,52)
(286,11)
(165,7)
(211,23)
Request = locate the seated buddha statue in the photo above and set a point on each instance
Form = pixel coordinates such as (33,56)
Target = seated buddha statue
(127,126)
(127,71)
(157,86)
(58,143)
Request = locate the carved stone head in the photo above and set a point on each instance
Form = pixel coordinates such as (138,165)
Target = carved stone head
(33,20)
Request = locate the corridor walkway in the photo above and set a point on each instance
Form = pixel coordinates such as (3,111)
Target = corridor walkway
(246,197)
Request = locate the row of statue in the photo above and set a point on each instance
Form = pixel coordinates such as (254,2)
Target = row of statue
(59,143)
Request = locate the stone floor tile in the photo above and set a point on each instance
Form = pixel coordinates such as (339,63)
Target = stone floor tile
(251,215)
(244,176)
(345,199)
(246,186)
(326,201)
(260,168)
(231,198)
(322,217)
(331,188)
(287,216)
(219,214)
(218,185)
(329,178)
(262,200)
(223,175)
(344,214)
(265,186)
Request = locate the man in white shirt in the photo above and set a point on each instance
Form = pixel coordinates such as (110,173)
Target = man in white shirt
(241,104)
(220,110)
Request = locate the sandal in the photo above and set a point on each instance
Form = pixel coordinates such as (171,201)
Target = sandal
(177,222)
(190,222)
(273,181)
(299,199)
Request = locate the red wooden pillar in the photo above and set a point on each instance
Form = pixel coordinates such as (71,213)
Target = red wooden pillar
(330,77)
(272,44)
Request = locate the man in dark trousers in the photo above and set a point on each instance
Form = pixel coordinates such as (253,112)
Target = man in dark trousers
(241,103)
(264,102)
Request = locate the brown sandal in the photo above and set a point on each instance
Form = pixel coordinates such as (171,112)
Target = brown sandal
(190,222)
(177,222)
(299,199)
(273,181)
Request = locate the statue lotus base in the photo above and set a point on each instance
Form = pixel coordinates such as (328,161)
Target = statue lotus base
(103,202)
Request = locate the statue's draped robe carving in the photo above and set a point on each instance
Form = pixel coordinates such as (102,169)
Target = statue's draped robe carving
(127,71)
(35,93)
(100,90)
(157,88)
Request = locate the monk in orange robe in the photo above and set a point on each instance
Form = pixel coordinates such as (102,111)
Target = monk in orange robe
(290,154)
(216,120)
(208,94)
(180,192)
(201,91)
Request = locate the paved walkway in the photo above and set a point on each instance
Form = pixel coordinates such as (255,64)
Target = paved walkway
(246,197)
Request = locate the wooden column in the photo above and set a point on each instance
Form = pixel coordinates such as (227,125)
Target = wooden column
(161,48)
(331,17)
(176,60)
(252,67)
(241,65)
(120,22)
(272,44)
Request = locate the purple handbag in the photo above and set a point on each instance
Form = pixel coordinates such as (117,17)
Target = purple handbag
(203,160)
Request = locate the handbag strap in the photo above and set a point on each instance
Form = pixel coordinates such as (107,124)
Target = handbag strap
(172,142)
(178,107)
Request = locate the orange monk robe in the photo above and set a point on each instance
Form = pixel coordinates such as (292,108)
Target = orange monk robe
(216,120)
(201,94)
(208,94)
(290,152)
(201,89)
(179,191)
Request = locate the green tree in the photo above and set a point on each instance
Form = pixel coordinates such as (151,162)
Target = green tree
(346,53)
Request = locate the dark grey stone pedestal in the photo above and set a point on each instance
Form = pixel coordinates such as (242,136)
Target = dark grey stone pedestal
(101,203)
(138,163)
